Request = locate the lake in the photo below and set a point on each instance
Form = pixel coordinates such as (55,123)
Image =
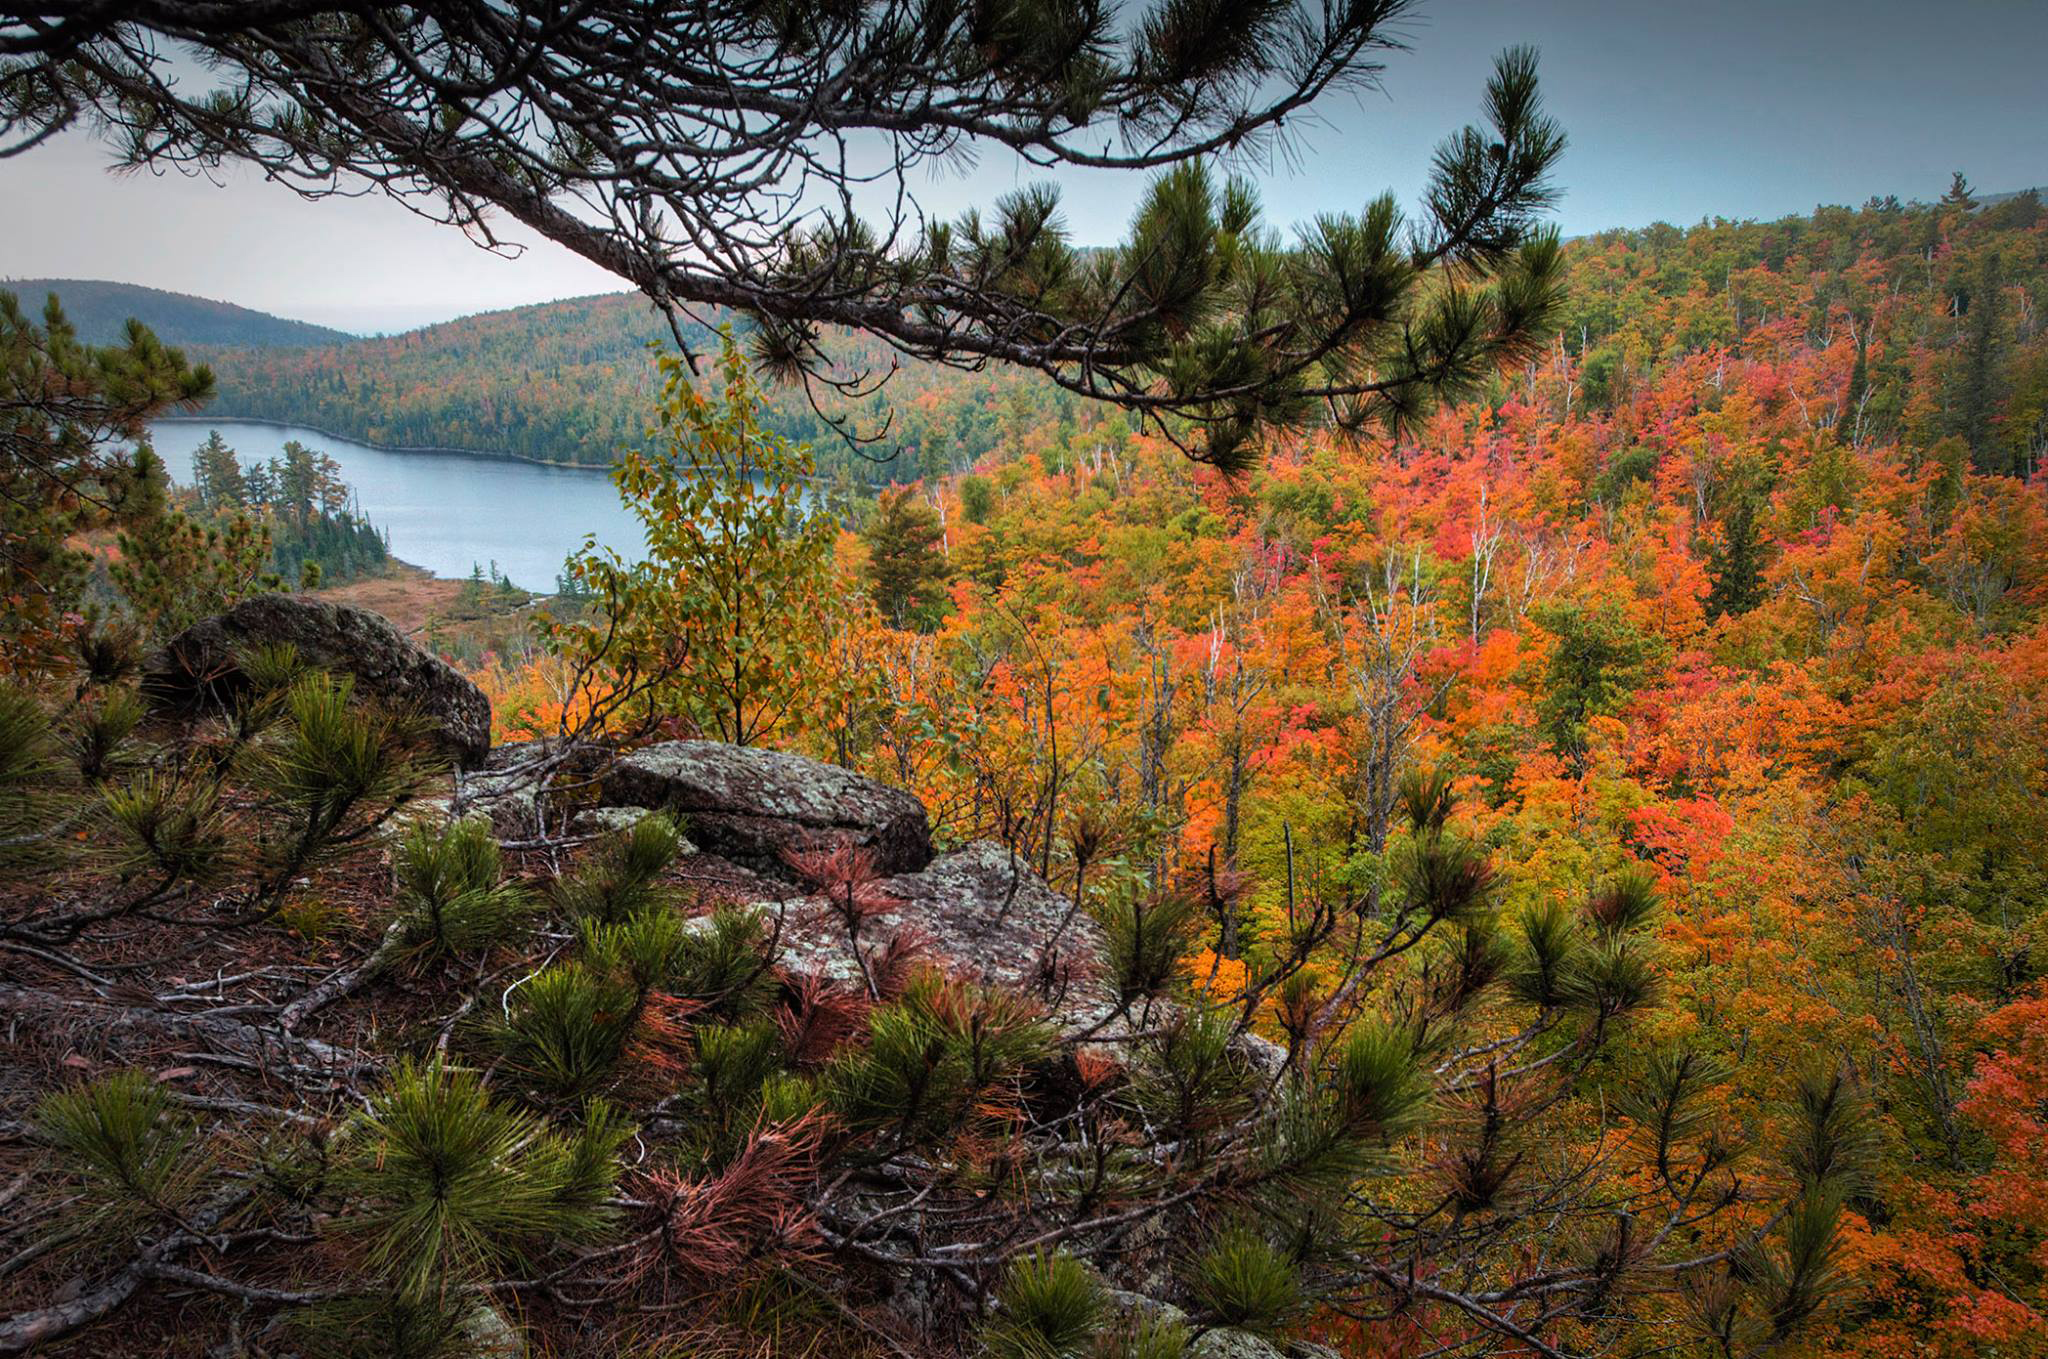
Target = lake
(447,512)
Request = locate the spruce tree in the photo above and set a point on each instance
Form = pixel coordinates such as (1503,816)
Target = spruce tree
(1974,405)
(1735,564)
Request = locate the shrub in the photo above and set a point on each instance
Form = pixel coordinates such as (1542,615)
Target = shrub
(386,1326)
(449,1186)
(568,1027)
(1242,1280)
(930,1052)
(449,892)
(733,1061)
(99,730)
(1050,1306)
(336,754)
(723,963)
(619,878)
(138,1158)
(645,948)
(166,823)
(1152,1337)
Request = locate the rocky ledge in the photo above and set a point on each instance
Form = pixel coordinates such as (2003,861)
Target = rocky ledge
(757,807)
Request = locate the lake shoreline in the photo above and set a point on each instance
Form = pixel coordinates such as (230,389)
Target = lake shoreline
(221,419)
(439,449)
(447,512)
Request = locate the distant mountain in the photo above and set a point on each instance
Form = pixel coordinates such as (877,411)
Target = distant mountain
(100,311)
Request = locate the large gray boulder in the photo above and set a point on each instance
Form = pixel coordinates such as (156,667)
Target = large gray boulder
(754,807)
(198,666)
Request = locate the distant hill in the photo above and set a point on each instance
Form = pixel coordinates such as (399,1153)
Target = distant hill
(573,381)
(100,310)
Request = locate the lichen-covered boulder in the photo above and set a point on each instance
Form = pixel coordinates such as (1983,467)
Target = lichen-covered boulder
(994,919)
(755,807)
(198,666)
(982,914)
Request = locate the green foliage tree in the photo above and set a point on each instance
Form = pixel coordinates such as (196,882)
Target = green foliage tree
(714,625)
(1599,658)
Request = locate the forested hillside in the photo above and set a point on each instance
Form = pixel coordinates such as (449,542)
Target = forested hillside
(573,382)
(1567,878)
(101,310)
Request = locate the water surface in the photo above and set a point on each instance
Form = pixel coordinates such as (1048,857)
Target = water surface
(448,512)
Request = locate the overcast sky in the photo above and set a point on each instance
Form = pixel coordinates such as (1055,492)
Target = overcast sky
(1676,111)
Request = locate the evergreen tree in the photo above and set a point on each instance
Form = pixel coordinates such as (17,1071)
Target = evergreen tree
(1735,564)
(1859,375)
(174,570)
(906,571)
(1599,659)
(1959,194)
(1974,405)
(70,466)
(977,499)
(299,482)
(217,474)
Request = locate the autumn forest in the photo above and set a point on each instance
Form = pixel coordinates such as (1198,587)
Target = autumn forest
(1392,784)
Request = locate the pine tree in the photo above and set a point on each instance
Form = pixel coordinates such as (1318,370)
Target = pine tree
(906,572)
(174,570)
(1959,194)
(70,467)
(1207,323)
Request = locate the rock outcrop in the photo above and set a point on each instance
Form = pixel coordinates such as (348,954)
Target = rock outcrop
(983,914)
(198,666)
(753,807)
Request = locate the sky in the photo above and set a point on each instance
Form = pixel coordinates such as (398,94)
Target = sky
(1676,112)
